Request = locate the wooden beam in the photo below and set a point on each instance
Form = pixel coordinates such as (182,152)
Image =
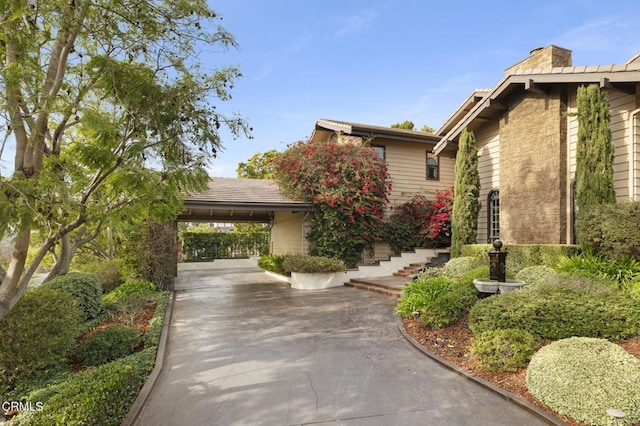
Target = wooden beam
(496,105)
(531,86)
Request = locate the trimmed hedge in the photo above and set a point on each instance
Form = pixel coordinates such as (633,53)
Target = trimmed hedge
(508,349)
(310,264)
(522,255)
(583,377)
(99,396)
(559,311)
(107,345)
(38,334)
(85,288)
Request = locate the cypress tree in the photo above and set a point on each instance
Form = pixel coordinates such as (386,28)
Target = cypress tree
(466,206)
(595,151)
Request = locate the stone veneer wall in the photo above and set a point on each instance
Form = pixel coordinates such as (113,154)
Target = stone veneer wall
(533,169)
(548,57)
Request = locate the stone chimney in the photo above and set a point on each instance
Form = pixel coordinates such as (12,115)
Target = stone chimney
(544,57)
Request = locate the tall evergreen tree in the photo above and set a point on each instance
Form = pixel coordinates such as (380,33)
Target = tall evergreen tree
(594,154)
(466,206)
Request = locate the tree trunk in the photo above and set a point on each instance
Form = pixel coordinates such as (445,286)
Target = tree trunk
(63,262)
(10,290)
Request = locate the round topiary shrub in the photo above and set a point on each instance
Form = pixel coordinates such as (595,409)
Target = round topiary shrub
(536,275)
(583,377)
(37,334)
(417,294)
(85,288)
(139,288)
(107,344)
(107,271)
(457,267)
(503,350)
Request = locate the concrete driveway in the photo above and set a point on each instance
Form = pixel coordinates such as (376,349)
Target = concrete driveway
(245,349)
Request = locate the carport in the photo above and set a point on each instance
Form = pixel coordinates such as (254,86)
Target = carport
(232,200)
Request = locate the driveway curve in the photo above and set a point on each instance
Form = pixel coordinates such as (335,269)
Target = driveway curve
(245,349)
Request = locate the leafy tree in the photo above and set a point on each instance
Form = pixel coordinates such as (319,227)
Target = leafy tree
(348,186)
(595,151)
(259,166)
(107,110)
(427,129)
(406,125)
(466,206)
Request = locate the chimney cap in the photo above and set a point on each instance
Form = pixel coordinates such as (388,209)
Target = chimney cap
(534,50)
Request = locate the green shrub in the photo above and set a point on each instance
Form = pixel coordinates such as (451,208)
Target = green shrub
(536,275)
(107,344)
(431,272)
(142,289)
(610,231)
(37,335)
(85,288)
(559,311)
(623,271)
(419,293)
(457,267)
(99,396)
(152,336)
(583,377)
(310,264)
(503,350)
(107,271)
(272,263)
(522,255)
(449,305)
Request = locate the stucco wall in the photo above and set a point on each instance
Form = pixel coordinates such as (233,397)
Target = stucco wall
(287,233)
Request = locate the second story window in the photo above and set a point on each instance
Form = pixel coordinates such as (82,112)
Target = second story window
(433,170)
(380,152)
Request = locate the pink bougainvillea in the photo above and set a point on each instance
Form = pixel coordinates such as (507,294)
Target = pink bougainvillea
(348,186)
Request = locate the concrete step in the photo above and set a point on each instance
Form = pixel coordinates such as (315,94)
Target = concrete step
(391,288)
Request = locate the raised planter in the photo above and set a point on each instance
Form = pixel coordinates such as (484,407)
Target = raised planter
(316,280)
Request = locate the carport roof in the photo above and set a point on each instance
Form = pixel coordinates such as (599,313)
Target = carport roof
(237,199)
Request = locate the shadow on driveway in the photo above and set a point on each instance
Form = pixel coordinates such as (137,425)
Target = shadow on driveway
(245,349)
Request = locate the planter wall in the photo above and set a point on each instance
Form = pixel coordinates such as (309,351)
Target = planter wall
(316,281)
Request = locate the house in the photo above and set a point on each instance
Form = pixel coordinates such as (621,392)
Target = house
(526,132)
(409,154)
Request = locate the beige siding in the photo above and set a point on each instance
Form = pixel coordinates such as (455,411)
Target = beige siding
(488,143)
(621,105)
(287,233)
(407,165)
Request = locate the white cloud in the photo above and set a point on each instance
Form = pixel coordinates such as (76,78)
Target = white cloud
(615,33)
(355,23)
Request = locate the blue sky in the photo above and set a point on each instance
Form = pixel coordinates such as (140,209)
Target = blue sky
(385,61)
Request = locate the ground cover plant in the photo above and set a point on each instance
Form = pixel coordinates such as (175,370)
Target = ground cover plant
(103,364)
(502,332)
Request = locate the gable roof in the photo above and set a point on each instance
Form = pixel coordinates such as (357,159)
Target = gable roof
(616,76)
(370,131)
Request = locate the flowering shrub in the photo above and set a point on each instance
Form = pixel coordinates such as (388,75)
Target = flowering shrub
(421,222)
(348,186)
